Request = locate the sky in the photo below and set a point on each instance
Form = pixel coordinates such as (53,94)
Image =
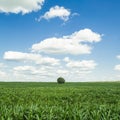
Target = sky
(41,40)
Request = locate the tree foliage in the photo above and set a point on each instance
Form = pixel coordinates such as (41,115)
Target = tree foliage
(60,80)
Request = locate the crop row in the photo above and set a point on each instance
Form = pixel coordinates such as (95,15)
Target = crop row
(60,102)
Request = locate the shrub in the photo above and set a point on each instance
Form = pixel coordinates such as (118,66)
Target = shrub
(60,80)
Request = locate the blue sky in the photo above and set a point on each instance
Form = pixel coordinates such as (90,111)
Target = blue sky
(41,40)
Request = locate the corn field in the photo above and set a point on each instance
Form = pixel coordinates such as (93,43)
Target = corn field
(52,101)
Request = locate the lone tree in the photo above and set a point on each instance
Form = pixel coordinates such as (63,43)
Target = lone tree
(60,80)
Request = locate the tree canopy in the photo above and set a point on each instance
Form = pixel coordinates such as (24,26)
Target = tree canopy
(60,80)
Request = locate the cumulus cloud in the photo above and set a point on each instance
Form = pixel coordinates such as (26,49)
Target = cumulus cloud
(35,71)
(2,65)
(30,70)
(117,67)
(82,65)
(75,44)
(56,11)
(29,57)
(37,65)
(75,14)
(2,74)
(67,68)
(79,68)
(62,71)
(118,56)
(79,73)
(21,6)
(70,70)
(24,68)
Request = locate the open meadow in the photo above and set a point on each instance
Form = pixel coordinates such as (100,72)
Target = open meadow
(52,101)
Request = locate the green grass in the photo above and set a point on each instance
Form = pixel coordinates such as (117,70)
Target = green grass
(52,101)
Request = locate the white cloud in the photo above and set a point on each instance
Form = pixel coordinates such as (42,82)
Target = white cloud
(20,6)
(75,44)
(71,70)
(36,67)
(79,69)
(82,65)
(85,35)
(62,71)
(75,14)
(2,74)
(66,59)
(2,65)
(24,68)
(29,57)
(56,11)
(118,56)
(35,72)
(50,73)
(117,67)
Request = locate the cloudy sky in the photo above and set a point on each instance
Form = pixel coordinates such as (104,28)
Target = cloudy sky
(41,40)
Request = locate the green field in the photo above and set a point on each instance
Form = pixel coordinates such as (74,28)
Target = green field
(52,101)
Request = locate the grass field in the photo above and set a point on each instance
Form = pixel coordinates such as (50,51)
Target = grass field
(52,101)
